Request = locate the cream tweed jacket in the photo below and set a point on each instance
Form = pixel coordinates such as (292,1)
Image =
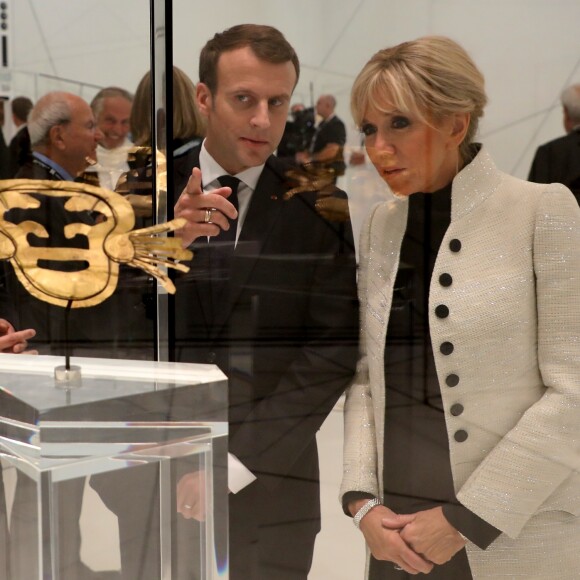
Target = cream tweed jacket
(512,255)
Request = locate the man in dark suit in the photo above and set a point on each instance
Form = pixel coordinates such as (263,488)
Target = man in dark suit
(270,298)
(558,161)
(19,148)
(63,134)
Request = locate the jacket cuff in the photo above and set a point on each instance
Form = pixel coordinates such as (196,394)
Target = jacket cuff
(353,496)
(470,525)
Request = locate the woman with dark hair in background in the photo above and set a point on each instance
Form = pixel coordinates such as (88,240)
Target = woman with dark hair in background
(188,131)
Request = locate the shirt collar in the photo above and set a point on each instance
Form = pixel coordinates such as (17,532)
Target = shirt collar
(62,172)
(211,170)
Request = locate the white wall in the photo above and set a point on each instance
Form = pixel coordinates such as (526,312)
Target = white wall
(528,50)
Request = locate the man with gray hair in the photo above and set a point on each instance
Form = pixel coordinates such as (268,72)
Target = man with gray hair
(62,134)
(559,160)
(112,110)
(63,137)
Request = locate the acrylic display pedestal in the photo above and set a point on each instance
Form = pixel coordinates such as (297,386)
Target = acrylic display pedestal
(135,429)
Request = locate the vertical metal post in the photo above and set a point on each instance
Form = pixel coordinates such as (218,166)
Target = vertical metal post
(162,137)
(166,512)
(48,529)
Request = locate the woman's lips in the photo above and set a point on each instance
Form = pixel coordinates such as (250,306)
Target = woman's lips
(391,173)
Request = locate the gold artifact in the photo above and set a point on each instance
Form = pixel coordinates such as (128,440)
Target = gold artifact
(319,177)
(313,176)
(83,267)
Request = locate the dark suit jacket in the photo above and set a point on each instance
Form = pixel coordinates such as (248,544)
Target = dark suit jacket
(19,150)
(281,320)
(558,161)
(116,328)
(331,131)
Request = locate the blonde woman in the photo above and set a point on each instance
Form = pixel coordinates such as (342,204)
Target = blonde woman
(462,428)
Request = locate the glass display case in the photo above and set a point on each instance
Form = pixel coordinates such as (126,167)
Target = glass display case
(139,433)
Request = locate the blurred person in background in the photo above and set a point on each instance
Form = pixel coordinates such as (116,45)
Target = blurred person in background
(19,148)
(558,161)
(112,110)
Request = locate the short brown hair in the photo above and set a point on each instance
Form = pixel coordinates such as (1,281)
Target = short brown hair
(21,107)
(266,42)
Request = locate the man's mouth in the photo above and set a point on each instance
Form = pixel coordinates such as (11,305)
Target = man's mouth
(254,142)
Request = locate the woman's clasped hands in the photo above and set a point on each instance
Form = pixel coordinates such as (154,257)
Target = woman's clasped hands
(413,542)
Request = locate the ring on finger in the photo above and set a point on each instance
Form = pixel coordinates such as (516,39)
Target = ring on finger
(207,218)
(187,506)
(398,568)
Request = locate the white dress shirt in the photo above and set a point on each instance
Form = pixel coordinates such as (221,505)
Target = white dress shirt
(239,476)
(211,170)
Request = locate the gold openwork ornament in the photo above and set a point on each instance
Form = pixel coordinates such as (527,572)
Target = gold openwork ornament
(79,266)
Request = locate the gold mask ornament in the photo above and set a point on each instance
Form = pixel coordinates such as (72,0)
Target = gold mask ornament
(81,268)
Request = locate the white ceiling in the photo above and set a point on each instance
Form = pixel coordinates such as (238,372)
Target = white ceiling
(528,50)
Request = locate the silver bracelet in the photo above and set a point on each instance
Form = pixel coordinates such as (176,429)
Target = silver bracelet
(364,510)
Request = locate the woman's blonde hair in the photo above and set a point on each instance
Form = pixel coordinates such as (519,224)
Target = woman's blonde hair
(430,77)
(187,121)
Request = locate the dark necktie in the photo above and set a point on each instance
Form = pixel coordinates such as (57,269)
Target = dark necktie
(233,183)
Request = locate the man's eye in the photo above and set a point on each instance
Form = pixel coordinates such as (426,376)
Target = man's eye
(368,129)
(242,98)
(400,122)
(276,102)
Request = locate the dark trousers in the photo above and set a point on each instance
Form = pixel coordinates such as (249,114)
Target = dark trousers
(456,569)
(273,527)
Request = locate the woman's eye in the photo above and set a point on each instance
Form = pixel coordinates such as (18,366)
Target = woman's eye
(400,122)
(368,129)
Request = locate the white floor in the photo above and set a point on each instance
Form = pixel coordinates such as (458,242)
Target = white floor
(339,553)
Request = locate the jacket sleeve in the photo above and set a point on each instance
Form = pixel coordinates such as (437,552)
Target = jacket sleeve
(282,425)
(360,455)
(535,467)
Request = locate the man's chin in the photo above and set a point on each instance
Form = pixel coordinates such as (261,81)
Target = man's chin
(112,144)
(258,155)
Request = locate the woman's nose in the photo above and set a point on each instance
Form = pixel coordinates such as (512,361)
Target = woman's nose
(383,143)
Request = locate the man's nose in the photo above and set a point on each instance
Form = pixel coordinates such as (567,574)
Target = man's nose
(261,116)
(99,135)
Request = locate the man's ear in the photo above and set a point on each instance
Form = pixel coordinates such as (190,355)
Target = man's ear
(204,98)
(56,137)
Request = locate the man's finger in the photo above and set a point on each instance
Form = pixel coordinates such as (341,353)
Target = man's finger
(17,341)
(193,186)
